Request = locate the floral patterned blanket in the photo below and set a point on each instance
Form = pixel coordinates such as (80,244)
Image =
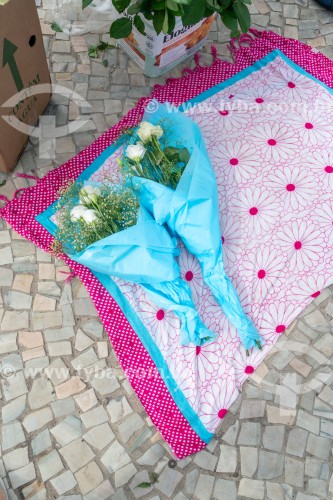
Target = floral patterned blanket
(267,124)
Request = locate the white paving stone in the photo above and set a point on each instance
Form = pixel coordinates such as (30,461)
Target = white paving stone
(49,465)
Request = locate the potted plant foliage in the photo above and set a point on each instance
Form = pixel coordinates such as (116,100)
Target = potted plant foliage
(158,34)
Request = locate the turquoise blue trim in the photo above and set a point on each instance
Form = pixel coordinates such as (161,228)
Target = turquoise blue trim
(257,66)
(156,356)
(45,220)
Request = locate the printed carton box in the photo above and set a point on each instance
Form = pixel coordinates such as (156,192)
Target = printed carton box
(156,54)
(23,66)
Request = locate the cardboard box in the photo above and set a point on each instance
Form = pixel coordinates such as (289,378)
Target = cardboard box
(23,65)
(156,54)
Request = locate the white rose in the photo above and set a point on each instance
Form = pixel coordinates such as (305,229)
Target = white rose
(89,194)
(92,190)
(135,152)
(77,212)
(89,216)
(145,131)
(158,131)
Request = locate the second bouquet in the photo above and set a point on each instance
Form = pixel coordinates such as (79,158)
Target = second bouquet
(103,227)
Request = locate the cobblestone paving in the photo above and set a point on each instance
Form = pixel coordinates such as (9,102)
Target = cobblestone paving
(69,434)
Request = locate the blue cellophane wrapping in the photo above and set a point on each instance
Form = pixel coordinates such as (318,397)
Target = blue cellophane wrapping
(191,211)
(146,254)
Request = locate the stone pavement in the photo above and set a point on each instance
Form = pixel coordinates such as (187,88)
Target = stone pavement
(71,434)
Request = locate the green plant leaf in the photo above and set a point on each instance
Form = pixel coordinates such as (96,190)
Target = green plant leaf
(194,12)
(86,3)
(172,22)
(93,51)
(139,24)
(172,5)
(158,5)
(230,21)
(105,63)
(104,46)
(121,28)
(56,27)
(143,485)
(133,9)
(234,34)
(184,155)
(121,5)
(248,2)
(243,15)
(158,19)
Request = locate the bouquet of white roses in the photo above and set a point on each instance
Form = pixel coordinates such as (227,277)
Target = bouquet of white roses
(103,227)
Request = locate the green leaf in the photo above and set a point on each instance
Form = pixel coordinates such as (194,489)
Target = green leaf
(172,5)
(172,22)
(248,2)
(121,5)
(133,9)
(143,485)
(194,12)
(105,63)
(56,27)
(158,5)
(93,51)
(165,26)
(234,34)
(121,28)
(158,19)
(184,155)
(139,24)
(218,5)
(104,46)
(243,15)
(230,21)
(171,152)
(86,3)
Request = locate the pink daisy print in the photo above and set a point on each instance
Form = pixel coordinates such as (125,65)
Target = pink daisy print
(184,378)
(294,87)
(324,213)
(163,325)
(258,97)
(242,364)
(259,210)
(232,237)
(294,185)
(211,314)
(205,360)
(264,266)
(191,273)
(309,287)
(275,319)
(303,243)
(110,170)
(321,163)
(238,158)
(313,126)
(216,401)
(276,141)
(229,119)
(132,291)
(207,124)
